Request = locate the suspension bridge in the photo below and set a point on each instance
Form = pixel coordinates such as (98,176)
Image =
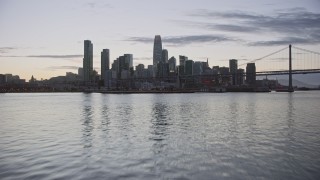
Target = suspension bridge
(287,61)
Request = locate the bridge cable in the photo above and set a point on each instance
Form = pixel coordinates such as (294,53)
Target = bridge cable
(264,56)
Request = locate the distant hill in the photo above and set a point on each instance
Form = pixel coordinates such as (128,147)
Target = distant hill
(295,82)
(300,80)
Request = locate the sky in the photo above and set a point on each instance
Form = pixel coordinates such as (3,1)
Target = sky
(44,38)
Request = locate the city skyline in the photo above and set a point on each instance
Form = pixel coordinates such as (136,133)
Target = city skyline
(45,39)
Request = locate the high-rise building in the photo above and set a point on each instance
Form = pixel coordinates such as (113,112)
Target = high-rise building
(124,63)
(105,61)
(3,79)
(157,53)
(189,67)
(197,68)
(163,69)
(251,74)
(88,61)
(128,60)
(182,60)
(172,65)
(164,57)
(240,76)
(233,66)
(80,73)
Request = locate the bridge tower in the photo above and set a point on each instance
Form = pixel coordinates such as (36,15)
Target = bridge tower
(290,88)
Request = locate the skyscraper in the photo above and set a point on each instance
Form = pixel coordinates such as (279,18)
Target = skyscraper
(157,53)
(172,65)
(189,67)
(182,60)
(251,74)
(233,65)
(164,57)
(105,61)
(88,61)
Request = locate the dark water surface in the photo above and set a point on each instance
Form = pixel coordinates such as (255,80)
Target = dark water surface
(160,136)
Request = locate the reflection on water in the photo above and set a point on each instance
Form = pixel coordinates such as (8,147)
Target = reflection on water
(87,121)
(160,136)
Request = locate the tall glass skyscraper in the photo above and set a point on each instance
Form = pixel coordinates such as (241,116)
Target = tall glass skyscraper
(157,53)
(251,73)
(233,65)
(164,58)
(88,61)
(105,61)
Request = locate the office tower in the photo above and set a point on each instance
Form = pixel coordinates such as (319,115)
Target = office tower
(233,66)
(251,74)
(205,65)
(150,71)
(182,60)
(157,53)
(80,73)
(240,76)
(3,79)
(189,67)
(115,68)
(224,70)
(164,57)
(215,70)
(172,65)
(125,65)
(139,70)
(105,61)
(128,60)
(88,61)
(163,69)
(197,68)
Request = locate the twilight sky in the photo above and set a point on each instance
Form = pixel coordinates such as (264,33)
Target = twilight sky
(44,38)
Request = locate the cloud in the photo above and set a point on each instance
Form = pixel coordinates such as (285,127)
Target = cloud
(286,41)
(185,40)
(6,49)
(94,5)
(62,67)
(232,28)
(296,24)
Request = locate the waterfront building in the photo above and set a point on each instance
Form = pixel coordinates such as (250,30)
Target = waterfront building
(233,66)
(105,61)
(108,78)
(88,61)
(251,74)
(157,53)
